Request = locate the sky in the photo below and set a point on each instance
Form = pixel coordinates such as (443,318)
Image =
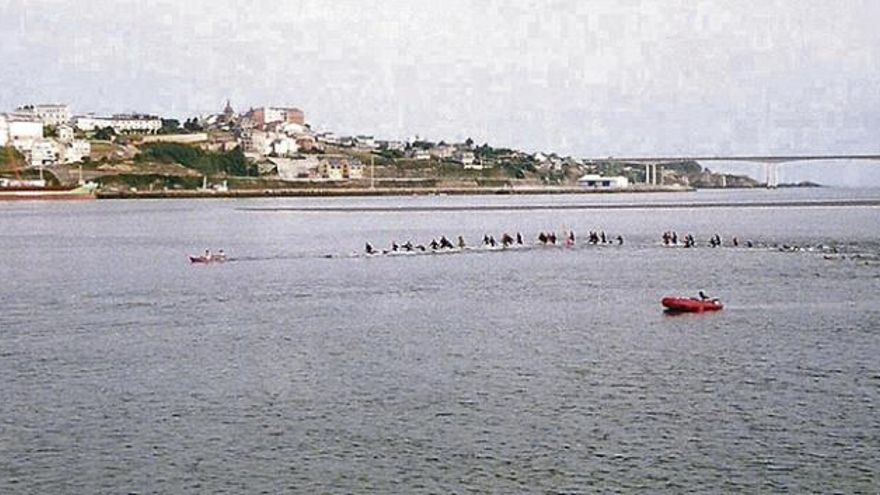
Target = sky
(589,78)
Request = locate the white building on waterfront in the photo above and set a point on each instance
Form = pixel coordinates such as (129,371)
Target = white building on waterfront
(595,181)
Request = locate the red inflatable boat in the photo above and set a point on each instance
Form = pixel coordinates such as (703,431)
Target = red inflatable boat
(690,304)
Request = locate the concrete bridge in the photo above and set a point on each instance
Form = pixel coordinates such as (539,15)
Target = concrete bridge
(770,162)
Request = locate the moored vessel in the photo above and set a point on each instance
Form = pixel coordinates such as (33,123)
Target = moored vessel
(11,190)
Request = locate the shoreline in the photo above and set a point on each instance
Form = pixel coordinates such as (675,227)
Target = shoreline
(379,191)
(593,206)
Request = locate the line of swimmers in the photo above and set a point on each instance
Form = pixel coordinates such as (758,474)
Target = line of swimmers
(670,238)
(489,241)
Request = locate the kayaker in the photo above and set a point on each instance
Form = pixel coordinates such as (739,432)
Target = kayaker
(221,255)
(461,243)
(703,296)
(207,255)
(519,239)
(369,248)
(619,240)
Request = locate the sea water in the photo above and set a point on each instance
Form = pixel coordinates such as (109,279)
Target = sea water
(303,366)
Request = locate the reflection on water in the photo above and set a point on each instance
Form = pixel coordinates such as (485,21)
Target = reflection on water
(126,369)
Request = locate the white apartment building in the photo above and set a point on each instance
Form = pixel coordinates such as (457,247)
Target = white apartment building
(74,151)
(120,123)
(419,154)
(22,132)
(364,141)
(392,145)
(65,133)
(465,158)
(284,146)
(42,152)
(267,115)
(4,130)
(256,142)
(292,128)
(51,114)
(442,152)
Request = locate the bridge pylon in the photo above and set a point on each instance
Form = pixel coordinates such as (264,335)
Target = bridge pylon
(771,172)
(651,177)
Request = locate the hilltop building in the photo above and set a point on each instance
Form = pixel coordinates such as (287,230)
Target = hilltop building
(465,158)
(228,113)
(267,115)
(48,114)
(120,123)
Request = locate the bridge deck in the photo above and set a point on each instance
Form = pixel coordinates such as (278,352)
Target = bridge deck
(736,158)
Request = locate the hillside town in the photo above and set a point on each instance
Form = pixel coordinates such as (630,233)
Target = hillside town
(275,147)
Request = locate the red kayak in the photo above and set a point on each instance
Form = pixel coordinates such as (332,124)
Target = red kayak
(691,305)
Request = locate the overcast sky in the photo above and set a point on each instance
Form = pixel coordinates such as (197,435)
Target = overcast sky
(582,78)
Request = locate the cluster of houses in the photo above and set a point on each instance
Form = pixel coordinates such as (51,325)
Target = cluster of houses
(26,128)
(280,142)
(461,153)
(277,139)
(48,134)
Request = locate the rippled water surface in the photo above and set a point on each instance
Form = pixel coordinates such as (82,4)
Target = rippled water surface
(298,366)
